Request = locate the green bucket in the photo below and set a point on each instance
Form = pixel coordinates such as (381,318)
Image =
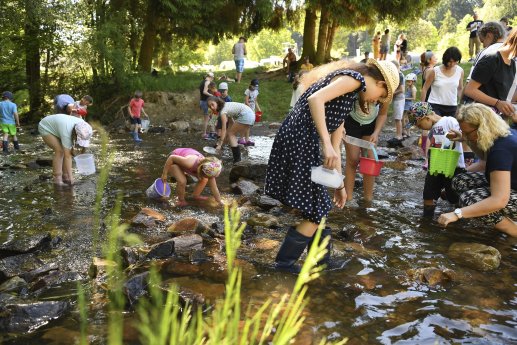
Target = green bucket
(443,161)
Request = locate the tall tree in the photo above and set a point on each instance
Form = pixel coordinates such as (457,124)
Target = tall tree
(32,54)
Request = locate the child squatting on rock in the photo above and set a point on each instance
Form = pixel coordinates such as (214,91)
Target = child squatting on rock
(187,161)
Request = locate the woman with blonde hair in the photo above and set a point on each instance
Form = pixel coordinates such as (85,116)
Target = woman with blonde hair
(488,190)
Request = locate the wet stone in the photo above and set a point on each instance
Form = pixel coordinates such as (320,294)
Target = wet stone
(432,275)
(249,170)
(179,126)
(31,275)
(156,129)
(395,165)
(184,244)
(161,250)
(266,202)
(136,287)
(17,265)
(475,255)
(148,218)
(265,220)
(18,318)
(187,226)
(275,125)
(130,256)
(44,161)
(411,152)
(15,284)
(25,244)
(180,268)
(53,279)
(244,187)
(198,256)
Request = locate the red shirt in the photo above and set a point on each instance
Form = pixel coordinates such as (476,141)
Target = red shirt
(136,106)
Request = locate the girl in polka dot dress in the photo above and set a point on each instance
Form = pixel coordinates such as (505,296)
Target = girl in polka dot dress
(318,116)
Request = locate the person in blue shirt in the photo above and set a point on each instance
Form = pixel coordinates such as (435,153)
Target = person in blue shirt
(8,121)
(488,190)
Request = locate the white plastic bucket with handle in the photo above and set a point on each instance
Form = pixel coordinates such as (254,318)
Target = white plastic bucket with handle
(85,164)
(145,125)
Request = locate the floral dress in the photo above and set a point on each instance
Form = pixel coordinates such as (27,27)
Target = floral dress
(296,150)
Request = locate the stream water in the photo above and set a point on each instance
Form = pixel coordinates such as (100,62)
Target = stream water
(372,300)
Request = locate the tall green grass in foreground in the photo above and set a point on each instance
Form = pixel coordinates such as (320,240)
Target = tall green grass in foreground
(163,320)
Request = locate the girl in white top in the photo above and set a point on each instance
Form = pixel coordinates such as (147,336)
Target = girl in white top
(446,82)
(242,117)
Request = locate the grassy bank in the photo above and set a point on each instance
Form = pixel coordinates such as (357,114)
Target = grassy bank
(275,91)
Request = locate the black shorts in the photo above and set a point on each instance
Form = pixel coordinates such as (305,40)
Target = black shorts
(444,110)
(356,130)
(135,120)
(435,183)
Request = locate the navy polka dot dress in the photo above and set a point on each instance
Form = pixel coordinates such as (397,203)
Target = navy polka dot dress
(297,148)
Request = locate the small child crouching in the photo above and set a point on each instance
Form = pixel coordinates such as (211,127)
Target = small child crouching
(425,118)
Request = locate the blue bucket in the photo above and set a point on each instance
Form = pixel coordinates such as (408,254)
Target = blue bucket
(155,191)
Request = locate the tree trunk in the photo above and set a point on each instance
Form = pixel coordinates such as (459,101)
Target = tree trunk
(322,36)
(309,34)
(330,40)
(133,33)
(32,57)
(145,60)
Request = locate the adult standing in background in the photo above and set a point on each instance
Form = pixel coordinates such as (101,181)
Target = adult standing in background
(505,23)
(239,53)
(474,41)
(288,63)
(385,44)
(376,45)
(203,97)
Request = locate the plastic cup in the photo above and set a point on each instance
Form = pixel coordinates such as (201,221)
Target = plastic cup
(85,164)
(326,177)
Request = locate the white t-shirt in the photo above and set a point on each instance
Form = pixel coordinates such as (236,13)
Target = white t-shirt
(238,51)
(444,90)
(437,136)
(234,109)
(61,126)
(252,97)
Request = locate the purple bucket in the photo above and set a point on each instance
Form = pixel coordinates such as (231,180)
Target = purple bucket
(155,191)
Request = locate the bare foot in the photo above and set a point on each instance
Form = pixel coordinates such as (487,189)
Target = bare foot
(60,184)
(181,203)
(200,197)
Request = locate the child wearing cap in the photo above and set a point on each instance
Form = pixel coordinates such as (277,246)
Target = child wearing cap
(61,132)
(8,121)
(251,95)
(423,116)
(223,89)
(410,97)
(187,161)
(135,109)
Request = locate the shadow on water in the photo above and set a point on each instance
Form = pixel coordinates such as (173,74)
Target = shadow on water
(371,300)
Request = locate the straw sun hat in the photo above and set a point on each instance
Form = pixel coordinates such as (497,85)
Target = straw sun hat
(391,76)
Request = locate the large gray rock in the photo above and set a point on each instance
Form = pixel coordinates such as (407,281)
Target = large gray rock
(148,218)
(15,284)
(184,244)
(244,187)
(411,152)
(53,279)
(136,287)
(161,250)
(266,202)
(22,318)
(474,255)
(25,244)
(17,265)
(180,126)
(248,170)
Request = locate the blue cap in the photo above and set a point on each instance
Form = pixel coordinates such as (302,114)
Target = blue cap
(7,94)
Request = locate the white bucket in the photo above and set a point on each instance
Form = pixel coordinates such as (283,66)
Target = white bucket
(85,164)
(145,125)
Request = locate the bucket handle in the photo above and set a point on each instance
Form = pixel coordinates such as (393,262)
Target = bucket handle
(374,152)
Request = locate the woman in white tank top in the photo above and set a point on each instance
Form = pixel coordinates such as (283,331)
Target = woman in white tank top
(446,82)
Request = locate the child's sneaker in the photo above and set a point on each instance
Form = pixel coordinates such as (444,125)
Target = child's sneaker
(213,136)
(249,143)
(242,141)
(206,136)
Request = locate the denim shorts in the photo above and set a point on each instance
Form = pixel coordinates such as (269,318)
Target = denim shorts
(239,65)
(204,106)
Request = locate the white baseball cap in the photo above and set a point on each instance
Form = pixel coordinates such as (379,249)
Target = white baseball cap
(223,86)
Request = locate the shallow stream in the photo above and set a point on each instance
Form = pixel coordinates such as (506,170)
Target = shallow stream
(372,300)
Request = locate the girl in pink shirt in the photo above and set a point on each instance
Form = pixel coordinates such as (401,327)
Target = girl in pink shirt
(183,161)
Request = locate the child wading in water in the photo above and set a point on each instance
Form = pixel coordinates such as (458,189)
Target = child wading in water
(425,118)
(242,116)
(135,108)
(319,115)
(183,161)
(9,120)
